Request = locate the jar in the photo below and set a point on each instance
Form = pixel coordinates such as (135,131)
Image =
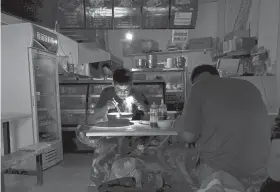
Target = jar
(153,115)
(259,66)
(180,62)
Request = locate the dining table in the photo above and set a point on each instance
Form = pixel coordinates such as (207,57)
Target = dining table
(136,128)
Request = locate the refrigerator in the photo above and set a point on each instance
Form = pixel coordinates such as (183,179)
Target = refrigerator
(29,79)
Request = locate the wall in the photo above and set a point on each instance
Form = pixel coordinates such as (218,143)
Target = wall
(231,12)
(206,26)
(268,26)
(268,34)
(278,63)
(227,13)
(89,52)
(68,47)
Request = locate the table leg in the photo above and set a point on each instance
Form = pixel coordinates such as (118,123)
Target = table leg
(2,182)
(6,138)
(39,169)
(120,145)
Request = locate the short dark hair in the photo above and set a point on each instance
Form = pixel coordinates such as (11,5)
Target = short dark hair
(203,68)
(122,76)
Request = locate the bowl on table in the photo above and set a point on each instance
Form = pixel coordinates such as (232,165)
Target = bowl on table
(117,117)
(165,124)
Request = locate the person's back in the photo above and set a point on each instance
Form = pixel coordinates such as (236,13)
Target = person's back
(235,129)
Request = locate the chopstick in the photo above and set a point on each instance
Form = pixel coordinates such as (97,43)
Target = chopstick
(117,107)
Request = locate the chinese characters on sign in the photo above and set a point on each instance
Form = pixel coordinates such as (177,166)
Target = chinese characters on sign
(182,18)
(179,36)
(45,38)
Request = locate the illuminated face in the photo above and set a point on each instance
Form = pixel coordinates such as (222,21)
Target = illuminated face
(122,91)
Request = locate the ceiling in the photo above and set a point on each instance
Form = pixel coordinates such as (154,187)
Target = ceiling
(79,35)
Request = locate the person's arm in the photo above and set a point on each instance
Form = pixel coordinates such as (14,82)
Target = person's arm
(101,107)
(188,124)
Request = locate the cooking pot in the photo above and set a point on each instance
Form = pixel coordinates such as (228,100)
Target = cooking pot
(140,63)
(152,61)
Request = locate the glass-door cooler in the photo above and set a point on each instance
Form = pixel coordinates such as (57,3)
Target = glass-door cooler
(46,110)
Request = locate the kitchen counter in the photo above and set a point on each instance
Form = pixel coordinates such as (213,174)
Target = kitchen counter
(137,129)
(6,117)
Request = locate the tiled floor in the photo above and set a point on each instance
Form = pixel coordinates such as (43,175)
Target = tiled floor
(72,175)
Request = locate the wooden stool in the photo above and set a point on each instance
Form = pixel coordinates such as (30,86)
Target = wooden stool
(10,160)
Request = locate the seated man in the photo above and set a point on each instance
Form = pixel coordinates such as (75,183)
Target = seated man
(128,99)
(228,121)
(126,96)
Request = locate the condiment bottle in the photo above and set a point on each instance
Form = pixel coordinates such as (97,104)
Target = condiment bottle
(162,111)
(153,116)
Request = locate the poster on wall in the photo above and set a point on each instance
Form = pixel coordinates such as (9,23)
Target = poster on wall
(180,36)
(183,14)
(71,14)
(155,14)
(99,14)
(127,14)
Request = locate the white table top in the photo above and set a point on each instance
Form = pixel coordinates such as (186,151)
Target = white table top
(133,130)
(6,117)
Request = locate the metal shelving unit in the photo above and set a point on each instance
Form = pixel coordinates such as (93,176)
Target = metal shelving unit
(173,98)
(170,52)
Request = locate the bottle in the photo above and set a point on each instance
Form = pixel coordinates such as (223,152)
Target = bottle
(153,116)
(162,111)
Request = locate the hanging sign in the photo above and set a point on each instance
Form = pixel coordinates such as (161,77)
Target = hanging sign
(180,36)
(183,14)
(44,39)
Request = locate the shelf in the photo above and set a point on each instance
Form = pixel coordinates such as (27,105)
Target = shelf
(97,96)
(79,96)
(6,117)
(69,128)
(78,82)
(76,111)
(45,123)
(84,81)
(170,52)
(174,91)
(42,109)
(158,70)
(232,54)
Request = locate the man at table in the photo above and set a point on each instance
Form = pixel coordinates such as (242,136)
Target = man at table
(127,97)
(128,100)
(228,121)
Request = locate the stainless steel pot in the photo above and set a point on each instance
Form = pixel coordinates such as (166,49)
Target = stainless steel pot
(152,61)
(140,63)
